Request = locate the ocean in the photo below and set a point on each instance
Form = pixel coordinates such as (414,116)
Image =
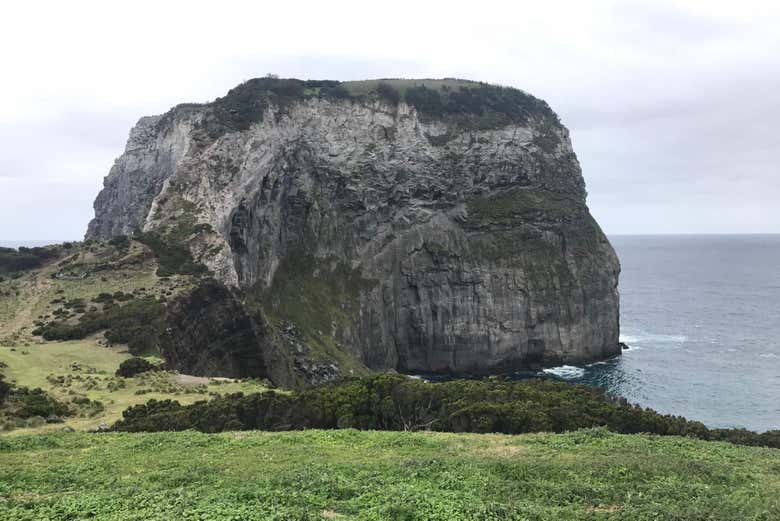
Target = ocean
(702,317)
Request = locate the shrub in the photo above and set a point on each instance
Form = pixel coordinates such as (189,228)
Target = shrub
(137,324)
(102,298)
(394,402)
(172,257)
(36,402)
(425,100)
(24,259)
(388,93)
(120,242)
(134,366)
(483,106)
(5,388)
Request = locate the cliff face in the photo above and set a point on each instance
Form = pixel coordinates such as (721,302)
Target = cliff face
(424,229)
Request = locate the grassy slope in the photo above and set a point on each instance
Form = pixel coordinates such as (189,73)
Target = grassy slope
(30,360)
(30,366)
(350,474)
(25,299)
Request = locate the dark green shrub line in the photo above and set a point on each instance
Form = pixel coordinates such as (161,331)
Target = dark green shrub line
(246,104)
(484,107)
(394,402)
(134,366)
(25,259)
(475,105)
(138,323)
(388,93)
(22,402)
(120,242)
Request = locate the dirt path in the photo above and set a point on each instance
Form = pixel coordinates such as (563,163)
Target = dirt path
(188,379)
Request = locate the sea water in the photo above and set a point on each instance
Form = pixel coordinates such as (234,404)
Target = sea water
(701,315)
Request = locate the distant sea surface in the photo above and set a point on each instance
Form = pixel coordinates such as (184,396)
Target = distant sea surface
(702,317)
(26,244)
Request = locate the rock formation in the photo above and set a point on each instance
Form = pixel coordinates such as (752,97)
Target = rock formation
(416,225)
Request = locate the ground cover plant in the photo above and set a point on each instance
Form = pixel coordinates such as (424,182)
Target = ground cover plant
(371,475)
(81,375)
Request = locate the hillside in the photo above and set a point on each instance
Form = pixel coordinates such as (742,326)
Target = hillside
(314,475)
(74,294)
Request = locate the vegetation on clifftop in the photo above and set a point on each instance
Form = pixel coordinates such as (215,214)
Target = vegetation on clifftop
(466,103)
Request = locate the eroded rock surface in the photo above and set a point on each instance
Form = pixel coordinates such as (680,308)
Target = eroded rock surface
(392,234)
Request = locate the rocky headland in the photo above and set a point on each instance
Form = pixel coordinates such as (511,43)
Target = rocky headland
(434,226)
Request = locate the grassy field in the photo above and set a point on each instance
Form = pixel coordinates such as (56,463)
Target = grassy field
(348,474)
(87,369)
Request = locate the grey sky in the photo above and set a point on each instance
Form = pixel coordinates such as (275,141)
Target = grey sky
(672,106)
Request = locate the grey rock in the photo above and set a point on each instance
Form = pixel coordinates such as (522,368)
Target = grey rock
(398,240)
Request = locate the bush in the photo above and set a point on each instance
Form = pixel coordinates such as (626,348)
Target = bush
(137,324)
(425,100)
(134,366)
(24,259)
(120,242)
(247,103)
(394,402)
(483,106)
(36,402)
(172,258)
(388,93)
(5,388)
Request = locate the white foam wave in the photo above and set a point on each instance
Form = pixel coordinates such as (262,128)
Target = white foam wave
(768,355)
(566,371)
(645,338)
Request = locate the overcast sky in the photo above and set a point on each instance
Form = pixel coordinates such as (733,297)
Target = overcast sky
(673,107)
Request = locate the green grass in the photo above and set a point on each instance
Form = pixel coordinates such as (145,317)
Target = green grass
(31,365)
(347,474)
(91,269)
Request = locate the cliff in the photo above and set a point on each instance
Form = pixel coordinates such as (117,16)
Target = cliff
(416,225)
